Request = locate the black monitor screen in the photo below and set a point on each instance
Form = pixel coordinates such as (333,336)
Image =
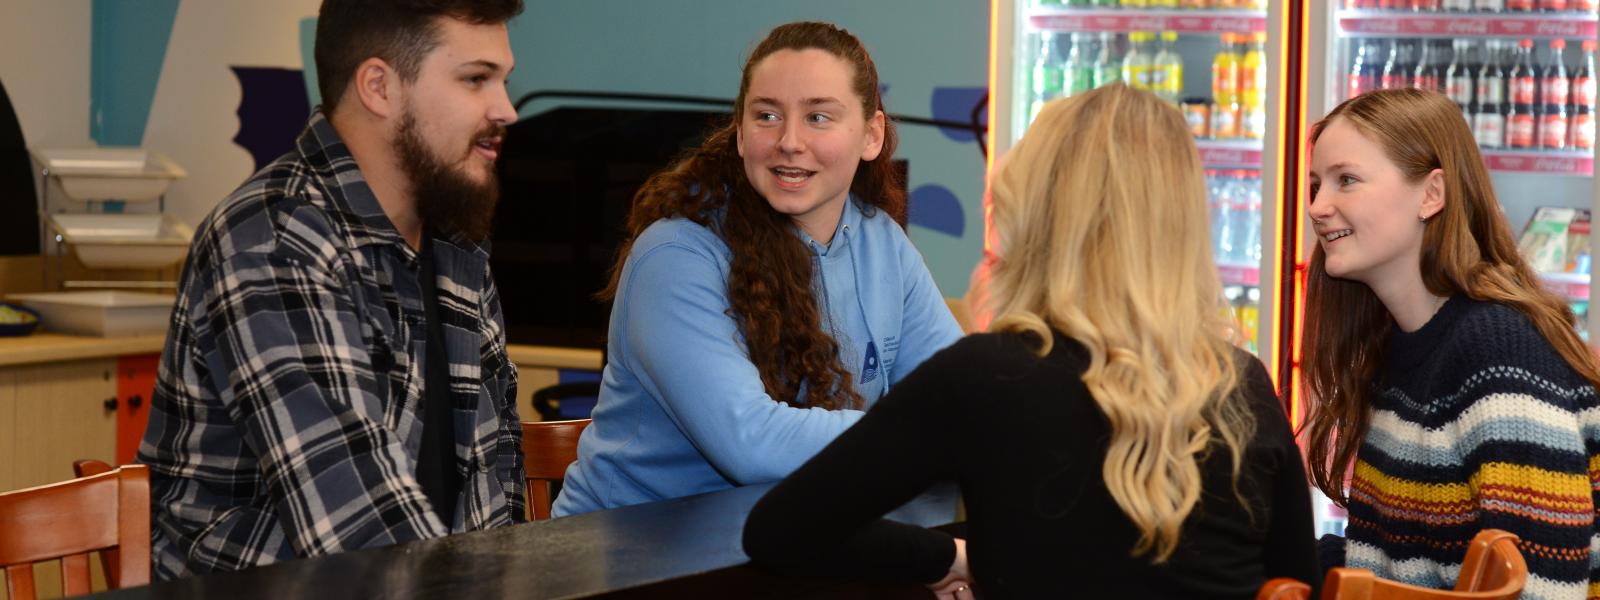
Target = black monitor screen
(567,179)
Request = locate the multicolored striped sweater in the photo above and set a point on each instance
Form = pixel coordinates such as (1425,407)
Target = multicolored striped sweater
(1478,423)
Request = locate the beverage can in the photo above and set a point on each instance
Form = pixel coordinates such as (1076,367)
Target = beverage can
(1252,123)
(1489,129)
(1224,122)
(1520,130)
(1198,113)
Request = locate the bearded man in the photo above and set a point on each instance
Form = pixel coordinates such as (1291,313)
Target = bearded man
(335,376)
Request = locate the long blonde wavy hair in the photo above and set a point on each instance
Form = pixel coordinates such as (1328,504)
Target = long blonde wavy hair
(1099,214)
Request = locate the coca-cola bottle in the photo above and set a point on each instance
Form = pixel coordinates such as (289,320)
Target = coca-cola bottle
(1488,120)
(1524,76)
(1520,5)
(1427,76)
(1583,100)
(1458,77)
(1521,122)
(1394,70)
(1359,80)
(1554,88)
(1456,5)
(1554,5)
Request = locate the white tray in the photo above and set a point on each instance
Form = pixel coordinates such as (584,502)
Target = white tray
(132,174)
(124,241)
(100,313)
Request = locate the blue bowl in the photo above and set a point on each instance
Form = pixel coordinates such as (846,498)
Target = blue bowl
(19,329)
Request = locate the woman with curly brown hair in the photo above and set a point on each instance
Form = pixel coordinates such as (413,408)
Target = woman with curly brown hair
(768,294)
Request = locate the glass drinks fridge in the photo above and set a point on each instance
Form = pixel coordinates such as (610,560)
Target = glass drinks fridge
(1213,59)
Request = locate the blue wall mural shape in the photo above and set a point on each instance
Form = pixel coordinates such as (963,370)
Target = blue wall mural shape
(272,110)
(130,43)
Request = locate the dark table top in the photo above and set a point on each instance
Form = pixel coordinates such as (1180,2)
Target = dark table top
(674,548)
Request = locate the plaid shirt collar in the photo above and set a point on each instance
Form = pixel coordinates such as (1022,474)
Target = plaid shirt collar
(326,153)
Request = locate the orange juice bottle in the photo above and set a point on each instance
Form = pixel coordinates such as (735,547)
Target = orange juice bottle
(1251,89)
(1225,72)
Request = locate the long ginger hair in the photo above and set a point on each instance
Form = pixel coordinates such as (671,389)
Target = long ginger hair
(1467,248)
(1100,221)
(770,278)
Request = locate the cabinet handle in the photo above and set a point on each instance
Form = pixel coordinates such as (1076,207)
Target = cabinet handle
(111,404)
(135,402)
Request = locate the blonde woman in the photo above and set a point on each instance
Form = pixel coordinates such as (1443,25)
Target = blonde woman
(1105,432)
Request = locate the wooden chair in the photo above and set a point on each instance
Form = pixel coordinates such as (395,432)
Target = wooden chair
(1492,570)
(1284,588)
(548,447)
(69,520)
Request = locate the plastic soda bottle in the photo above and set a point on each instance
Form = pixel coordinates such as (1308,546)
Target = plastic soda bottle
(1225,72)
(1169,69)
(1136,65)
(1047,73)
(1080,68)
(1252,87)
(1107,67)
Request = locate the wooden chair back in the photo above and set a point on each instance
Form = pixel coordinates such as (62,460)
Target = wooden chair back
(1284,588)
(548,447)
(108,558)
(68,520)
(1493,570)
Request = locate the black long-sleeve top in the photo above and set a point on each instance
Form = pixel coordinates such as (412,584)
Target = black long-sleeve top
(1026,442)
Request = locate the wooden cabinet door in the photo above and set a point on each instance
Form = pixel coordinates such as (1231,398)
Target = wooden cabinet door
(61,415)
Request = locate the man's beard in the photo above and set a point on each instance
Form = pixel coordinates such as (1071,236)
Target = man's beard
(448,201)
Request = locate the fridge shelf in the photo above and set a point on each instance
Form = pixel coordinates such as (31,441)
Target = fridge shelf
(1237,154)
(1250,275)
(1098,20)
(1373,23)
(1572,286)
(1580,163)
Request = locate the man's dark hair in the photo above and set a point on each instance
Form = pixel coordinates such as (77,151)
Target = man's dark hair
(401,32)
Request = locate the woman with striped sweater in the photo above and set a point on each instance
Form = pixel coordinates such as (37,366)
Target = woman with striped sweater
(1450,390)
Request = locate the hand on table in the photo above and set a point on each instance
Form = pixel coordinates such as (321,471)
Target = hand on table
(957,584)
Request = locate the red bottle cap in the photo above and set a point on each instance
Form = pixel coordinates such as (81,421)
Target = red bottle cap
(1558,44)
(1525,43)
(1588,45)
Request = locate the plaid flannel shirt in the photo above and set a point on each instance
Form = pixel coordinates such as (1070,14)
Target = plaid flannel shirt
(285,421)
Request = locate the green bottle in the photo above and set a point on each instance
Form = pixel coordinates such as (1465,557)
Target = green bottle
(1080,68)
(1048,68)
(1107,64)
